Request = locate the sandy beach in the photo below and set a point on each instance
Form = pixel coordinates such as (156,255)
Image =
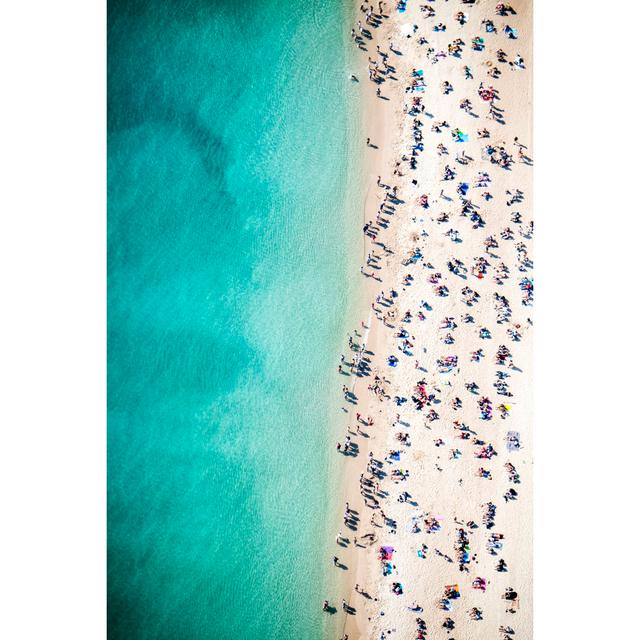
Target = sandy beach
(438,443)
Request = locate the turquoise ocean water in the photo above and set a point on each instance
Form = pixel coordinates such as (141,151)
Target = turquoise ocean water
(231,133)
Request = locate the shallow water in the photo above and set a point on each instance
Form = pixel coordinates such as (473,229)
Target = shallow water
(230,128)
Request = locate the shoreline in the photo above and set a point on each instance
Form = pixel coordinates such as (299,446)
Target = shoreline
(438,492)
(374,164)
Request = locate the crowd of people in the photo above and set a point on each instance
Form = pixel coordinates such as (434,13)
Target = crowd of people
(456,270)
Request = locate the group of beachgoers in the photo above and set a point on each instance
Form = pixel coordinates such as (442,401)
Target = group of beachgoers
(440,297)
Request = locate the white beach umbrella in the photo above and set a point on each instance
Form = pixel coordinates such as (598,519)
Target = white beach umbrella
(406,29)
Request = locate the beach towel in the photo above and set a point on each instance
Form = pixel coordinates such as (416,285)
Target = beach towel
(513,440)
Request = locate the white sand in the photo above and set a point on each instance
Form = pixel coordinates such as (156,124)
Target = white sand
(450,489)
